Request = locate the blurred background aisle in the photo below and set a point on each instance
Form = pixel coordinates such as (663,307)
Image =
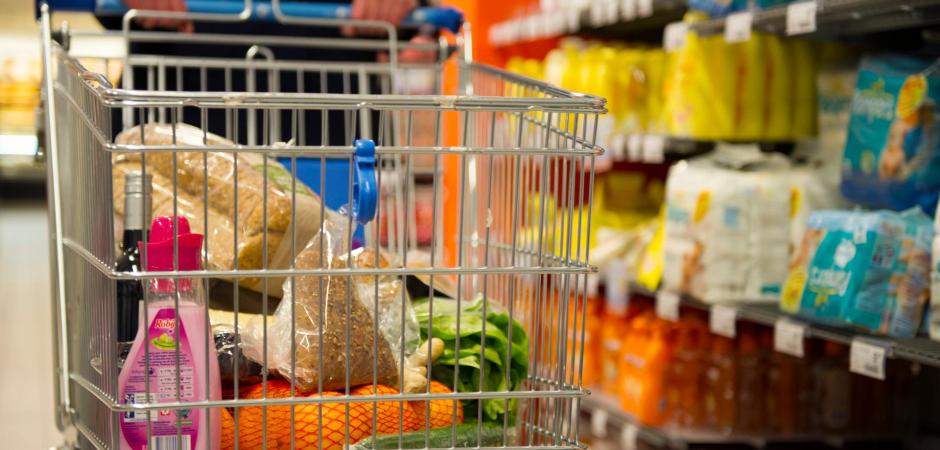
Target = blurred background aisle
(26,412)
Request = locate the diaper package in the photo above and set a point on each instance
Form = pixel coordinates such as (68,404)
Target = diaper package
(891,155)
(864,269)
(726,233)
(933,313)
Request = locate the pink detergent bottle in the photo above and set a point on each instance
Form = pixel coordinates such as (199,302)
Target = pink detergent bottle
(172,335)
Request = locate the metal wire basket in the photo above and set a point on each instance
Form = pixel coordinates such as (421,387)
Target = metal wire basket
(505,166)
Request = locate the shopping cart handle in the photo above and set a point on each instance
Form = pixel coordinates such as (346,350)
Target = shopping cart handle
(440,17)
(365,187)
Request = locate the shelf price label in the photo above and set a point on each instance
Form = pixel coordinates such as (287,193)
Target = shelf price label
(801,18)
(599,423)
(867,359)
(738,27)
(674,36)
(788,337)
(723,320)
(644,8)
(667,305)
(628,9)
(628,436)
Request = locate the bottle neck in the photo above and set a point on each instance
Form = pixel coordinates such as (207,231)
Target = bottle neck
(136,212)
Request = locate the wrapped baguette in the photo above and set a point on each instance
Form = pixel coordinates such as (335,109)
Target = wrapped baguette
(196,171)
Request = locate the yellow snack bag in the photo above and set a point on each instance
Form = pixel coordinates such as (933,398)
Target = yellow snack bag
(778,105)
(804,67)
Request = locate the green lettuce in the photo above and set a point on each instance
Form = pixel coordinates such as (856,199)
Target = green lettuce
(489,356)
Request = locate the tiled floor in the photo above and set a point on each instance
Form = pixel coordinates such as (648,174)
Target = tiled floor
(26,379)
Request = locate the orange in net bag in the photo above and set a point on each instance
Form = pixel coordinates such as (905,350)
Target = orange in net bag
(389,414)
(441,411)
(308,427)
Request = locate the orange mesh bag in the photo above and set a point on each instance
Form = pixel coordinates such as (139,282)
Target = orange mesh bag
(389,414)
(308,427)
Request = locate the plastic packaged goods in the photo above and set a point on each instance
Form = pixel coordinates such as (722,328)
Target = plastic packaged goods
(748,59)
(195,170)
(864,269)
(335,320)
(892,152)
(933,313)
(804,69)
(835,83)
(778,108)
(697,100)
(714,205)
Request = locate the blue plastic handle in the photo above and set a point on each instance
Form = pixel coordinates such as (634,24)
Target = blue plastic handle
(440,17)
(365,188)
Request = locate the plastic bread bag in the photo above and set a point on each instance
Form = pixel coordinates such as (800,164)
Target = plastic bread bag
(234,210)
(363,324)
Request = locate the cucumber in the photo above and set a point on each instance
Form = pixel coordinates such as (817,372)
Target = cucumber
(466,436)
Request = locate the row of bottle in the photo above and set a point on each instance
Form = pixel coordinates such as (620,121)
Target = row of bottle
(679,374)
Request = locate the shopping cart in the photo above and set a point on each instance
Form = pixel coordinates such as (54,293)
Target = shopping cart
(504,165)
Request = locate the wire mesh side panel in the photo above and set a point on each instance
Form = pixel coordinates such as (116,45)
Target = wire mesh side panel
(529,208)
(88,239)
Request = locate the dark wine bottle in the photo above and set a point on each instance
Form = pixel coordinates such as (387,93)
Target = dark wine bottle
(130,293)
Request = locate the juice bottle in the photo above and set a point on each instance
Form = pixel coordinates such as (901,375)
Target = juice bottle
(720,381)
(750,374)
(175,334)
(657,356)
(684,389)
(613,326)
(787,405)
(632,360)
(832,389)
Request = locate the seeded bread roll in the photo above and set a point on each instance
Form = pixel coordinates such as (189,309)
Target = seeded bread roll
(211,175)
(341,308)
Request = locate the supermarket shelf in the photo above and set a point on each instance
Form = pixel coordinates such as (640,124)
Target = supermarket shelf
(919,350)
(603,17)
(844,17)
(605,413)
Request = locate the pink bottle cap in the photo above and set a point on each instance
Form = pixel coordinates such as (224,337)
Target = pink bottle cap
(160,248)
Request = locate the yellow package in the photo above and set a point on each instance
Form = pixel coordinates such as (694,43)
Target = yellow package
(804,69)
(750,87)
(655,65)
(698,104)
(650,270)
(778,106)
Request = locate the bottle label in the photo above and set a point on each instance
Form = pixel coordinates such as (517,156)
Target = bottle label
(169,428)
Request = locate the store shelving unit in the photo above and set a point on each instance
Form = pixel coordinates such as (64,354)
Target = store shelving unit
(605,415)
(843,17)
(920,350)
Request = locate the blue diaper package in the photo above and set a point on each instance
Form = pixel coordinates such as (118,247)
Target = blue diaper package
(869,270)
(891,158)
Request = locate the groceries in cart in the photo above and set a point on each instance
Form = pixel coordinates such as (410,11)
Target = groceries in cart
(331,334)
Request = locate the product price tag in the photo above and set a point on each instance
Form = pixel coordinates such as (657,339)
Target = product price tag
(611,12)
(738,27)
(801,18)
(654,148)
(788,337)
(628,9)
(667,305)
(674,36)
(628,436)
(599,423)
(644,8)
(723,320)
(867,359)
